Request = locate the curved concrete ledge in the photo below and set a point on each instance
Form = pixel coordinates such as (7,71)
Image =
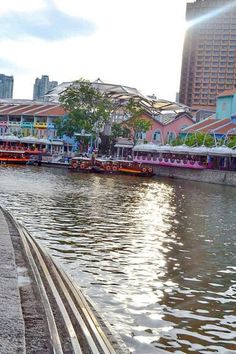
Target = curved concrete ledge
(41,309)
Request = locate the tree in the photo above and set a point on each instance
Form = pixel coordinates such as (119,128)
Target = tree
(231,142)
(134,123)
(87,108)
(138,125)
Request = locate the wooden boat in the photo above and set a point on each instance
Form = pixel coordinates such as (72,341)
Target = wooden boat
(11,156)
(81,164)
(16,156)
(109,166)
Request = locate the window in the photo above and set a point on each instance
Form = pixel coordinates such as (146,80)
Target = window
(170,137)
(140,135)
(156,137)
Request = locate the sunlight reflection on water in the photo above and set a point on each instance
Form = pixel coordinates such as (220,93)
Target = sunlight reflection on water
(156,256)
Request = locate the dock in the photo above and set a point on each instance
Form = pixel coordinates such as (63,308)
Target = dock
(42,309)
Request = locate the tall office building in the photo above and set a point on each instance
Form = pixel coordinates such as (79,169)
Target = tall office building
(6,86)
(209,54)
(42,86)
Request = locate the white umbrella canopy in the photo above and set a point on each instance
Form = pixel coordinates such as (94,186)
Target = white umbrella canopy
(145,147)
(199,150)
(44,141)
(153,148)
(30,139)
(220,151)
(10,138)
(180,149)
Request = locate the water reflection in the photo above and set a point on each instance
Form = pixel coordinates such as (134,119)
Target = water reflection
(157,256)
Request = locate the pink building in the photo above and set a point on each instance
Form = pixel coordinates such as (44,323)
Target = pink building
(165,128)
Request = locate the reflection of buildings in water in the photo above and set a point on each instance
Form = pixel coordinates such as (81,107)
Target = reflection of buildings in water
(195,299)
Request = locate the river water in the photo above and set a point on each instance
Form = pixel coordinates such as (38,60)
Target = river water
(157,256)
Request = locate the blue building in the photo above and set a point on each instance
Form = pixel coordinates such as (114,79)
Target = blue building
(226,105)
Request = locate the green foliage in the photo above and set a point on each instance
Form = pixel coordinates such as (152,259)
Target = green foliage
(133,124)
(118,130)
(87,108)
(138,125)
(177,141)
(231,141)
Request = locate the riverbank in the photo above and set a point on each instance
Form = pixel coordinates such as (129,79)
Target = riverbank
(42,310)
(208,176)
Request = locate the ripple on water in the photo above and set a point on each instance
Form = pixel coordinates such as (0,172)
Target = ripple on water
(157,256)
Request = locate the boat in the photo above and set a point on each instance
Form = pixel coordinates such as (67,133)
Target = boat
(183,156)
(16,156)
(49,160)
(110,166)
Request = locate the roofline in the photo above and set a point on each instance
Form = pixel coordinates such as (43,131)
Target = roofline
(200,122)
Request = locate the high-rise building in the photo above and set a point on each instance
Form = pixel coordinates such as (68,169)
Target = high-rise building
(209,54)
(6,86)
(41,87)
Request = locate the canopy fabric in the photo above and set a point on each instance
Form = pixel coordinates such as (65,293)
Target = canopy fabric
(9,138)
(122,93)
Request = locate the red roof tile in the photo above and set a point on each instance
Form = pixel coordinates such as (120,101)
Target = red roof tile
(5,108)
(32,110)
(213,126)
(200,124)
(227,93)
(226,129)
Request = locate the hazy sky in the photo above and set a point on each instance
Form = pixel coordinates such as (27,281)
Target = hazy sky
(131,42)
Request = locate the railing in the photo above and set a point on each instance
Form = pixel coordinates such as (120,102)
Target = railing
(51,126)
(27,125)
(171,162)
(15,124)
(40,125)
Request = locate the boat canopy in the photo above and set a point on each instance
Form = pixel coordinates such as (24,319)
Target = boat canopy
(188,150)
(221,150)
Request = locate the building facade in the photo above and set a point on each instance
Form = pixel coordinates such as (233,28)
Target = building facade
(42,86)
(6,86)
(165,131)
(209,54)
(24,119)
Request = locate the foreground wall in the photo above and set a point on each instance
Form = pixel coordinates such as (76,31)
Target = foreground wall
(209,176)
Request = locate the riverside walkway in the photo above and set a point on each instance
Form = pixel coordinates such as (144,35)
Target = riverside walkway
(12,330)
(41,309)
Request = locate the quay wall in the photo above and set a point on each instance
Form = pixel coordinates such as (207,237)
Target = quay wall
(207,176)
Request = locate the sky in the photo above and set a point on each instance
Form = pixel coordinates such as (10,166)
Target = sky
(136,43)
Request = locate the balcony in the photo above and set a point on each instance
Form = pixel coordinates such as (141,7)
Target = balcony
(51,126)
(27,125)
(3,123)
(40,125)
(14,124)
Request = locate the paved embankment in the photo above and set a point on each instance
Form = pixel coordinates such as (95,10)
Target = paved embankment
(12,329)
(208,176)
(42,309)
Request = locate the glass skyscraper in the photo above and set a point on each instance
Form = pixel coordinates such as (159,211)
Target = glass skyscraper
(6,86)
(41,87)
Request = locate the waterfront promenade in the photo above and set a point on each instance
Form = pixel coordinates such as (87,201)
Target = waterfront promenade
(12,330)
(41,309)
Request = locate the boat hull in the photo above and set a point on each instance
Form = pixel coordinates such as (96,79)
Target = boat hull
(111,167)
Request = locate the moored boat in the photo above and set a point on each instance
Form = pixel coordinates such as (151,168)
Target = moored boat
(183,156)
(109,166)
(15,156)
